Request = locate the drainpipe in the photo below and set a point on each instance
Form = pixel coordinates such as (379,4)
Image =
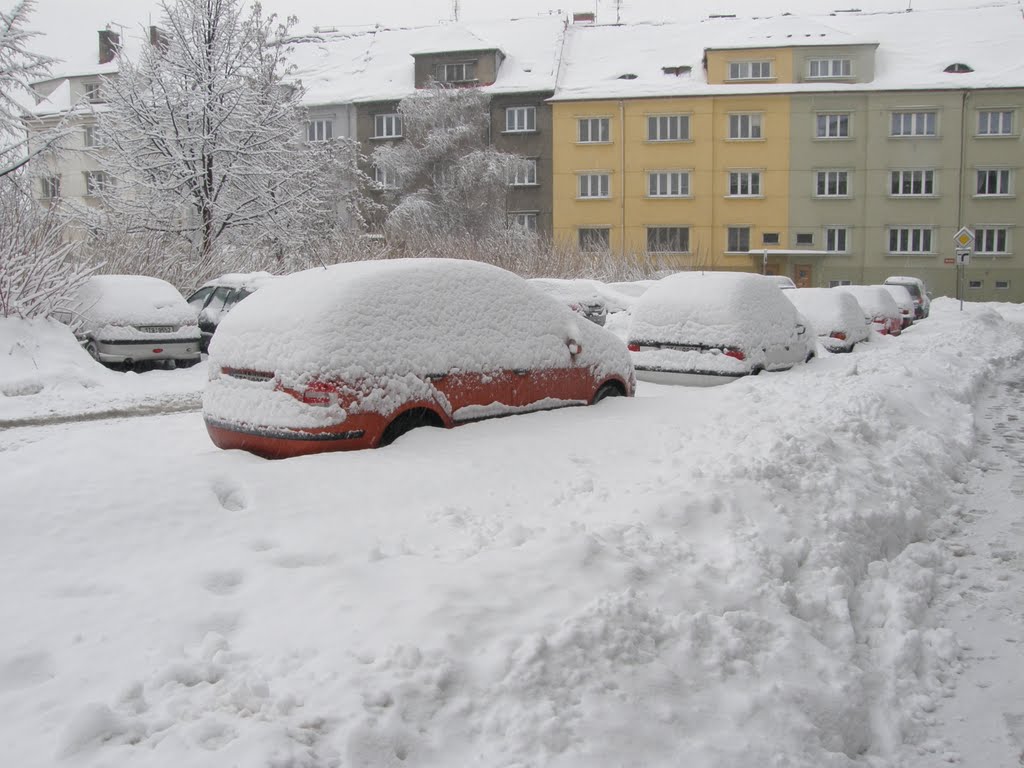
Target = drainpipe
(622,174)
(961,193)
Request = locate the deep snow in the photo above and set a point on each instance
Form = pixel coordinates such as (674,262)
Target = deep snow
(814,568)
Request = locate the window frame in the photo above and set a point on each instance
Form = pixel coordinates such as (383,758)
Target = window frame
(527,216)
(684,238)
(468,69)
(911,231)
(96,183)
(606,238)
(1004,287)
(755,120)
(50,187)
(682,119)
(743,69)
(93,92)
(1009,191)
(928,176)
(531,174)
(842,174)
(984,232)
(683,179)
(319,125)
(914,114)
(832,232)
(604,123)
(843,120)
(831,61)
(529,113)
(381,177)
(382,120)
(987,134)
(741,231)
(604,186)
(753,179)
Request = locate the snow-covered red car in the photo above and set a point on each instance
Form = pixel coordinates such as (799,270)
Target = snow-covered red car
(835,315)
(904,301)
(880,309)
(133,320)
(918,290)
(704,328)
(357,354)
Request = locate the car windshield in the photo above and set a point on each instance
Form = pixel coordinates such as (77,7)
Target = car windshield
(198,299)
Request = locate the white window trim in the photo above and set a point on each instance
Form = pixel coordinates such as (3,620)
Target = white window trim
(927,196)
(649,227)
(317,121)
(515,179)
(749,77)
(849,237)
(750,234)
(396,120)
(837,113)
(688,172)
(932,238)
(579,177)
(749,171)
(379,172)
(579,244)
(1014,132)
(830,60)
(997,287)
(513,215)
(590,119)
(728,127)
(849,184)
(1011,184)
(916,110)
(682,116)
(993,254)
(526,108)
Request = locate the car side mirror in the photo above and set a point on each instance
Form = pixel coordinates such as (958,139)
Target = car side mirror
(800,329)
(574,347)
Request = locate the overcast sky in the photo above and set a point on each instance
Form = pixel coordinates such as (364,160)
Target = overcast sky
(70,25)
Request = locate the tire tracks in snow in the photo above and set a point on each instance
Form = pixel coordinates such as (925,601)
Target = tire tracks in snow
(156,407)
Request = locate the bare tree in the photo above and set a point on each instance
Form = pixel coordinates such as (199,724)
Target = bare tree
(204,133)
(19,67)
(448,180)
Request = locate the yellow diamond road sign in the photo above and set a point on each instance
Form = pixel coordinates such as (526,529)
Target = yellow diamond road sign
(964,237)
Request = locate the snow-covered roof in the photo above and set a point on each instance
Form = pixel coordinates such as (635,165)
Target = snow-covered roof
(914,48)
(378,65)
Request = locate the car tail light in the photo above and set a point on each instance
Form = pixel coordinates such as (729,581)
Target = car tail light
(735,353)
(838,335)
(633,346)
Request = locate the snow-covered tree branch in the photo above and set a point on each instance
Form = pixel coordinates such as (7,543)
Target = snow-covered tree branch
(204,132)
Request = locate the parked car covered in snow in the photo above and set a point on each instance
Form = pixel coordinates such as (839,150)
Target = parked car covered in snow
(785,283)
(132,320)
(711,327)
(581,296)
(917,288)
(835,315)
(322,360)
(880,309)
(218,297)
(904,302)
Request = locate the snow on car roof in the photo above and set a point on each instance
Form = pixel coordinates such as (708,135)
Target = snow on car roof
(873,299)
(828,310)
(901,294)
(130,300)
(728,308)
(421,316)
(250,281)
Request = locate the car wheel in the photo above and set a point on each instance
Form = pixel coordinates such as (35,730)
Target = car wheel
(606,390)
(93,350)
(407,421)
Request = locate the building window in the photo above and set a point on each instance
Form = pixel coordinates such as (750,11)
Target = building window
(992,241)
(520,119)
(91,136)
(461,72)
(994,182)
(912,183)
(93,93)
(825,69)
(750,70)
(594,238)
(526,220)
(594,185)
(386,178)
(804,238)
(738,240)
(525,173)
(914,124)
(835,283)
(995,123)
(387,126)
(770,238)
(50,187)
(668,184)
(745,184)
(832,184)
(832,126)
(96,182)
(1002,285)
(668,128)
(975,284)
(837,239)
(594,130)
(910,240)
(668,239)
(319,130)
(745,126)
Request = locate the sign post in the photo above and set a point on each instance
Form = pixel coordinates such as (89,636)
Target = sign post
(964,242)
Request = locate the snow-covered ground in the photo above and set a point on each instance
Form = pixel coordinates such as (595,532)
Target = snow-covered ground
(813,568)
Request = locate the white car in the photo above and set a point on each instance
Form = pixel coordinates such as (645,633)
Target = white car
(835,315)
(218,297)
(131,320)
(879,307)
(904,301)
(705,328)
(917,288)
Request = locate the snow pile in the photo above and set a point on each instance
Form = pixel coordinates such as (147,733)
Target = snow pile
(725,578)
(830,311)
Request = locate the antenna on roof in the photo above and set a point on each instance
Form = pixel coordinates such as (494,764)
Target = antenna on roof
(618,11)
(455,10)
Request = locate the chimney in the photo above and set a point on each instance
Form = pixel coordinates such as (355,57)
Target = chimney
(110,42)
(583,18)
(157,38)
